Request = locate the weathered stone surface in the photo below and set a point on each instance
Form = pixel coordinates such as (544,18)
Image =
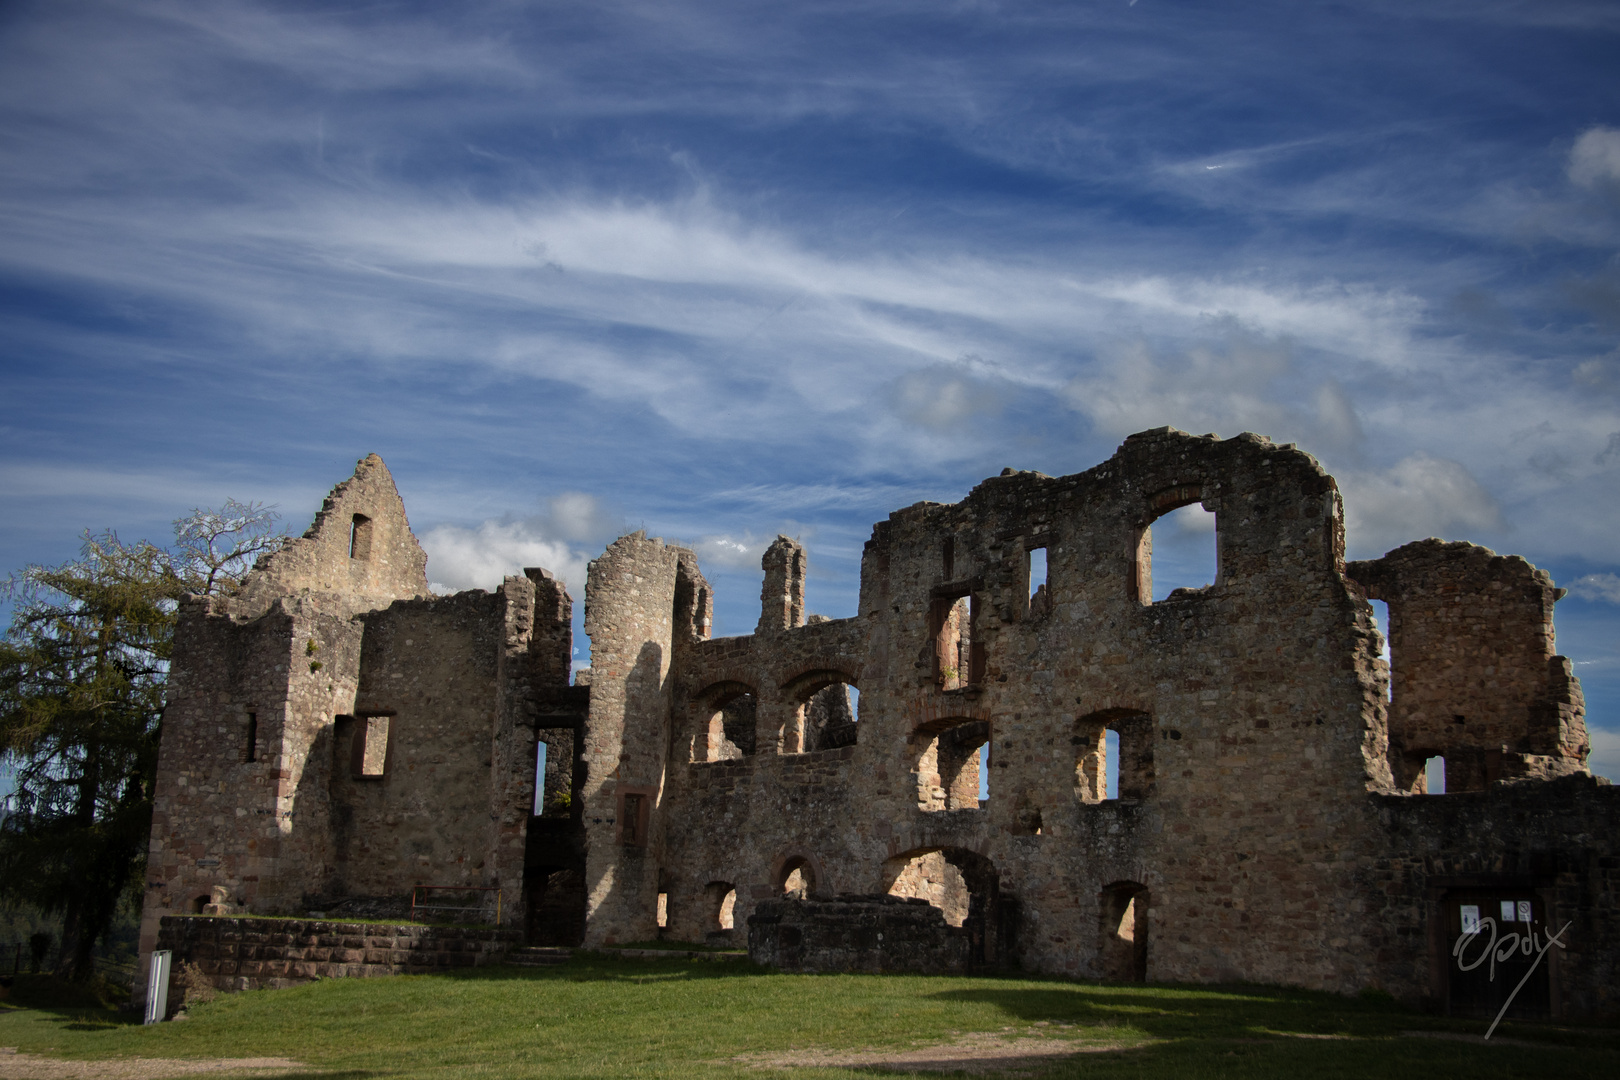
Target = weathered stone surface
(1269,823)
(295,951)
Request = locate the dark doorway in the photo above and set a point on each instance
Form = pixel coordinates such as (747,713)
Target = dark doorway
(1122,949)
(1491,920)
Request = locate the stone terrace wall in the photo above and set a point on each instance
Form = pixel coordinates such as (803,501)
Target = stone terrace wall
(856,933)
(252,954)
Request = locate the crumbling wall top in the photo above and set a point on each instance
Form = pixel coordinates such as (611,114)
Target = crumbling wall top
(360,548)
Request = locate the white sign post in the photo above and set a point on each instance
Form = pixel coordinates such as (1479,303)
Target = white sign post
(157,986)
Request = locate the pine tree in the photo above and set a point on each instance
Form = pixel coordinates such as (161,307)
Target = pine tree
(82,673)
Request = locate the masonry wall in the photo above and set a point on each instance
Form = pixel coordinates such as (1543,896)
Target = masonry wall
(428,667)
(1554,839)
(253,954)
(1474,671)
(1251,816)
(1264,826)
(630,617)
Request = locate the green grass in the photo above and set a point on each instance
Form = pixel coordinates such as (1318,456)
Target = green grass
(603,1016)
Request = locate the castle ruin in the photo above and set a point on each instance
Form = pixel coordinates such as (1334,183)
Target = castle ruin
(336,735)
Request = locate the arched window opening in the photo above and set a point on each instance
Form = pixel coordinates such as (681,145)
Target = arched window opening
(958,654)
(953,765)
(360,538)
(724,728)
(1434,775)
(721,898)
(826,716)
(1040,592)
(798,879)
(966,888)
(1177,552)
(928,876)
(1114,756)
(1122,950)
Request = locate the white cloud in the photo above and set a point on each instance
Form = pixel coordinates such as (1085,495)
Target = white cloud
(1595,158)
(731,553)
(1602,587)
(943,396)
(478,558)
(1221,386)
(1420,496)
(1605,757)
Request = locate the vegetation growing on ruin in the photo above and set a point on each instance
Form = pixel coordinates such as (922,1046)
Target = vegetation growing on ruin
(605,1017)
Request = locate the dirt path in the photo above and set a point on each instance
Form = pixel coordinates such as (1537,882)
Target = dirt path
(985,1052)
(15,1066)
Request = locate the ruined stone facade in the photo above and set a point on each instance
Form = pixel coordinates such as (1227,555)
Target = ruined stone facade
(335,734)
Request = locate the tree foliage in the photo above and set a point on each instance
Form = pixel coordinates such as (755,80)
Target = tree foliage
(82,673)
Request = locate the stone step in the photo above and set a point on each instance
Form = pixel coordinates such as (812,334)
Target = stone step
(678,954)
(539,956)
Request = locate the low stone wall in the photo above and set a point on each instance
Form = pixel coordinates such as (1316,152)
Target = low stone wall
(857,933)
(249,954)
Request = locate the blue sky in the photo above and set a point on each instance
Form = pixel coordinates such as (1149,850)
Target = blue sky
(724,270)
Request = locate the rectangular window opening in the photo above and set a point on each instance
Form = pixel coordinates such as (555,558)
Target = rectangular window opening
(539,779)
(1381,619)
(252,752)
(370,756)
(958,658)
(1040,593)
(663,910)
(631,827)
(360,538)
(1178,555)
(1434,775)
(1111,765)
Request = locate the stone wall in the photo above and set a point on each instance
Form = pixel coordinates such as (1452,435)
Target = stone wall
(1474,672)
(1552,840)
(630,617)
(1267,825)
(253,954)
(874,934)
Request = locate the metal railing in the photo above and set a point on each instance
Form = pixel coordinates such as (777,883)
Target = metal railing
(480,908)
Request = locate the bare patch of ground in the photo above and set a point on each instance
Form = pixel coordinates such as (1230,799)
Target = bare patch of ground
(15,1066)
(983,1052)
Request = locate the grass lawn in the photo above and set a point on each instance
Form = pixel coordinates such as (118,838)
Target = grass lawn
(601,1016)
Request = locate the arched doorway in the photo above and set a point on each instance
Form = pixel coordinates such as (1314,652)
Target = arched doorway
(966,887)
